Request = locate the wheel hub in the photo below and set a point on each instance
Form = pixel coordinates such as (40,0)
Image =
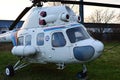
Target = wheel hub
(7,71)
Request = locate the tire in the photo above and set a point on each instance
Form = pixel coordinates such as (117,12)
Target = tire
(9,71)
(81,75)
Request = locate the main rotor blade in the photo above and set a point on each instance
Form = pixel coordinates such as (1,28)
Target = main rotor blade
(84,3)
(92,4)
(19,17)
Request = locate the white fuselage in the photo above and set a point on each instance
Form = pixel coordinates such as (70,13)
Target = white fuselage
(42,39)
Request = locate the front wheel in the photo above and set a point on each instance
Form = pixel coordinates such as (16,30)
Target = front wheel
(9,71)
(82,75)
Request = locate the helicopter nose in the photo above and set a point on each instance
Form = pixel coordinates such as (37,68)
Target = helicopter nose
(83,53)
(99,47)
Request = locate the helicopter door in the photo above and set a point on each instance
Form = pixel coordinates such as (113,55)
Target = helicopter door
(59,49)
(40,42)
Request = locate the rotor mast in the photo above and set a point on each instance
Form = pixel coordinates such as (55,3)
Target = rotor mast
(37,3)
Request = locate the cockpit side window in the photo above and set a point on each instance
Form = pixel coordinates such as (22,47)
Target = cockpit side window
(40,39)
(28,40)
(76,34)
(58,39)
(20,40)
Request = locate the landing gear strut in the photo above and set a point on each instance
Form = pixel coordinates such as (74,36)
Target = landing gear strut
(10,70)
(83,74)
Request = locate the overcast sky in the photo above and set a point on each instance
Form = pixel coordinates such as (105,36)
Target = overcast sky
(105,1)
(10,9)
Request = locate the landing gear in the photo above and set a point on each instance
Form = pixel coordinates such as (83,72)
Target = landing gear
(10,70)
(83,74)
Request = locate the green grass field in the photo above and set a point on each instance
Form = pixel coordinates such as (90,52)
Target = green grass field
(107,67)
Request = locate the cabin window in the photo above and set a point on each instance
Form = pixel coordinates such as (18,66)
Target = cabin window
(77,34)
(20,41)
(28,40)
(40,39)
(58,39)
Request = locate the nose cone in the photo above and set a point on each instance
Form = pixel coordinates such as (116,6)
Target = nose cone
(99,47)
(84,53)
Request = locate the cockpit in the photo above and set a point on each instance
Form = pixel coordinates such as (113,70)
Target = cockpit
(77,34)
(74,34)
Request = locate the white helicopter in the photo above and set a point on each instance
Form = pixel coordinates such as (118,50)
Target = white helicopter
(51,35)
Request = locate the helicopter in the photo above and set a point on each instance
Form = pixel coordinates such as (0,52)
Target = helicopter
(51,35)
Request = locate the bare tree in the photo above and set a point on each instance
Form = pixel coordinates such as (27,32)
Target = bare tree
(118,18)
(102,16)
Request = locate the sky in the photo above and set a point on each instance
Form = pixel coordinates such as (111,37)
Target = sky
(10,9)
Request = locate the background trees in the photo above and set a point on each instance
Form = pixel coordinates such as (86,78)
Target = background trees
(103,16)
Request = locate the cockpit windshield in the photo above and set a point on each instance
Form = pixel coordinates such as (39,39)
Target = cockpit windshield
(77,34)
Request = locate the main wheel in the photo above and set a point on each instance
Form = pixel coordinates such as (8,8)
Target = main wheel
(9,71)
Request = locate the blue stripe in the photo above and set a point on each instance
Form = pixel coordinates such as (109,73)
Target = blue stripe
(61,27)
(13,38)
(75,24)
(54,28)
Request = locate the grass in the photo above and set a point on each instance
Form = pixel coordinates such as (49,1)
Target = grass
(107,67)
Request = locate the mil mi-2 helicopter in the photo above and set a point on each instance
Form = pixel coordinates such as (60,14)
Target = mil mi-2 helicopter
(51,35)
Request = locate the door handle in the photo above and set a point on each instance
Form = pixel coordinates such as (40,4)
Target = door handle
(53,48)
